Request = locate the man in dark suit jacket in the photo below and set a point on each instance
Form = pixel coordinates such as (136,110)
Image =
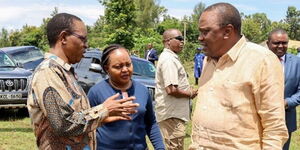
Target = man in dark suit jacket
(278,43)
(151,54)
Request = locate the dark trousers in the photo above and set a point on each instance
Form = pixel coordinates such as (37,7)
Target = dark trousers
(287,144)
(196,81)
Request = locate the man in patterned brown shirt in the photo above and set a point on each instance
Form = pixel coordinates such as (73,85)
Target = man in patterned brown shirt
(58,107)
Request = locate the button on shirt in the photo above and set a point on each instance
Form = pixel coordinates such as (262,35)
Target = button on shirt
(239,104)
(59,109)
(170,72)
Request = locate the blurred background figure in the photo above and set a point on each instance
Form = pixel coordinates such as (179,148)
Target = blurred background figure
(198,64)
(151,54)
(131,134)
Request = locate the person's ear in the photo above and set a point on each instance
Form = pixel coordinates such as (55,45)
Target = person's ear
(229,29)
(63,37)
(106,69)
(268,44)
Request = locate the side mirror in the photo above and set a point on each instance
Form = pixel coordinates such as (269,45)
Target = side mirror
(96,68)
(20,65)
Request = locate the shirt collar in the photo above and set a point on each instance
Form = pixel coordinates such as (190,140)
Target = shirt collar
(58,60)
(171,52)
(234,52)
(282,58)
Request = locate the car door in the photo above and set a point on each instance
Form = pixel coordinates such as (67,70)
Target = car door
(89,72)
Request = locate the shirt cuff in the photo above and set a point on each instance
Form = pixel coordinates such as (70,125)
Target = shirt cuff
(98,112)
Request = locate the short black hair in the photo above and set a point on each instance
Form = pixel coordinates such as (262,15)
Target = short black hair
(59,23)
(107,51)
(277,30)
(228,14)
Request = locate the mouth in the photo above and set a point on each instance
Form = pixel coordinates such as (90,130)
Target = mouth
(125,76)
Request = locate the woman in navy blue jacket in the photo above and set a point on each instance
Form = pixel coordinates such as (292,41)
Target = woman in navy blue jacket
(124,135)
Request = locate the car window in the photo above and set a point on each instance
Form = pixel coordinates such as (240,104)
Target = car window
(143,68)
(28,55)
(84,64)
(5,60)
(95,66)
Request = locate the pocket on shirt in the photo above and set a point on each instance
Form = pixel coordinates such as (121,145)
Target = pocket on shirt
(233,95)
(237,108)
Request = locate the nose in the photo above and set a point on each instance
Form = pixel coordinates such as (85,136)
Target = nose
(200,37)
(124,68)
(85,45)
(182,41)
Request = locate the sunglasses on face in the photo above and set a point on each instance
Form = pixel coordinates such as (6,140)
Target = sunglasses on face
(278,43)
(179,38)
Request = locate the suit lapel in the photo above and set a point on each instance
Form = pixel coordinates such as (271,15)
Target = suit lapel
(287,66)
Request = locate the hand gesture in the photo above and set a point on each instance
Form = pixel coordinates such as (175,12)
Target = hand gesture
(119,109)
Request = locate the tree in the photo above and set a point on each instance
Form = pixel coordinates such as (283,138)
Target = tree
(148,13)
(197,11)
(4,39)
(96,33)
(256,27)
(119,22)
(293,19)
(192,22)
(168,23)
(251,30)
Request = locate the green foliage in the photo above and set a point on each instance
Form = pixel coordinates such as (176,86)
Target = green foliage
(188,52)
(169,23)
(192,23)
(292,51)
(143,39)
(148,13)
(251,30)
(256,27)
(119,22)
(280,24)
(4,41)
(197,11)
(293,19)
(135,23)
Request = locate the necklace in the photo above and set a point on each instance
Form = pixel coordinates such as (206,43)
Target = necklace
(120,88)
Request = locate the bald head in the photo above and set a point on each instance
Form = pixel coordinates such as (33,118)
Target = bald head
(227,14)
(170,33)
(173,40)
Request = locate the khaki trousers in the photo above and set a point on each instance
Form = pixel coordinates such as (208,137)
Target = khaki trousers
(173,132)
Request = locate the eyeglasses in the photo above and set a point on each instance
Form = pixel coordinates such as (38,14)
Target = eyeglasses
(280,42)
(82,38)
(179,38)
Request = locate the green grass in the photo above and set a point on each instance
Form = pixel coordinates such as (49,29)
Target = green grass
(16,132)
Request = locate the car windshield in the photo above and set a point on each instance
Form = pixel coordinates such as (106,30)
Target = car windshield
(28,56)
(5,61)
(143,68)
